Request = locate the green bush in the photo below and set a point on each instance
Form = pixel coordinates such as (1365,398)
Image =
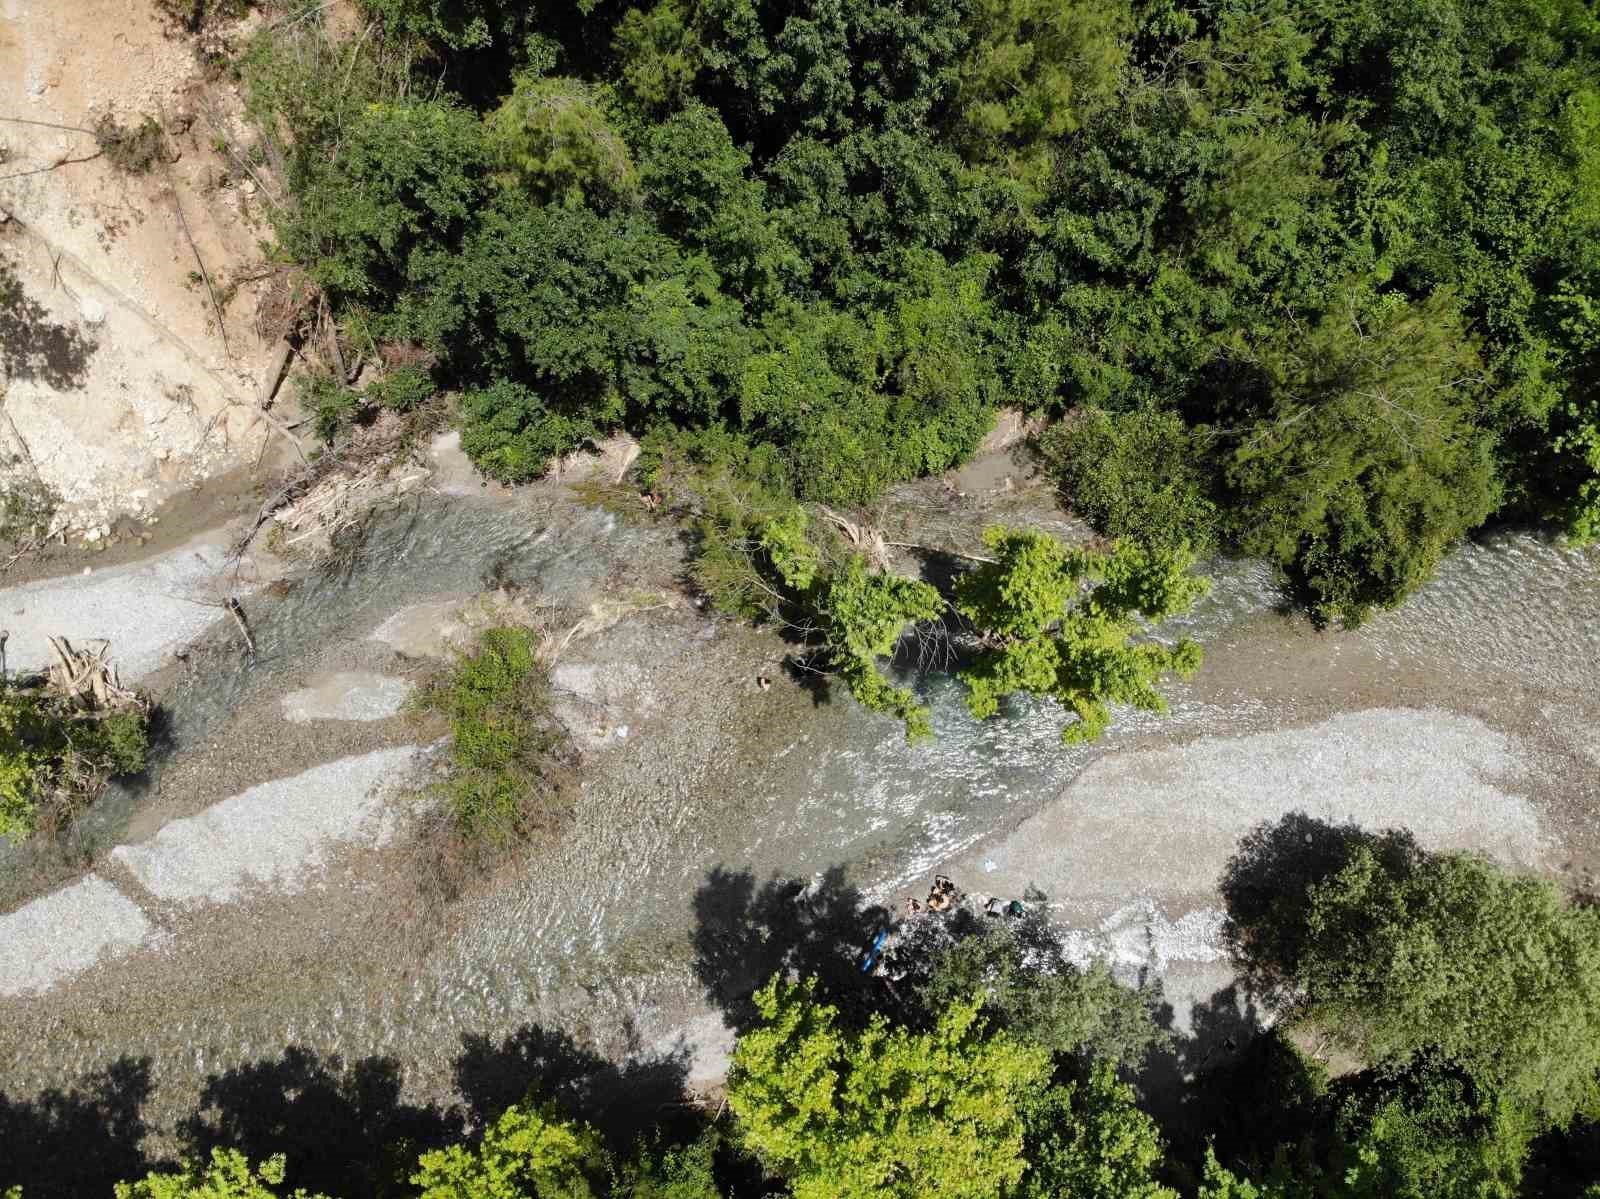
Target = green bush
(1141,474)
(56,756)
(136,150)
(403,390)
(331,405)
(510,435)
(509,769)
(27,503)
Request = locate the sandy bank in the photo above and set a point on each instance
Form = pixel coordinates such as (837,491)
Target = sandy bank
(145,609)
(276,834)
(58,936)
(1163,823)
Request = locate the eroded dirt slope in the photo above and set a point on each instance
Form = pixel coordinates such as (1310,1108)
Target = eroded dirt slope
(120,387)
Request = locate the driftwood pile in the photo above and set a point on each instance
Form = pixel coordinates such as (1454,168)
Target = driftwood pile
(85,680)
(88,679)
(343,500)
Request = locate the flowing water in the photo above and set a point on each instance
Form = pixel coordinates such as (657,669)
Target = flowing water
(596,933)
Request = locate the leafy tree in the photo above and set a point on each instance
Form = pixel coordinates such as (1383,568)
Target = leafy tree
(1219,1182)
(865,615)
(453,24)
(1426,1130)
(1574,480)
(862,614)
(1399,1131)
(228,1176)
(530,1152)
(885,1112)
(1032,68)
(1392,951)
(659,51)
(1140,474)
(556,141)
(510,434)
(1368,466)
(825,69)
(680,1172)
(704,191)
(1029,988)
(406,180)
(1058,622)
(1090,1140)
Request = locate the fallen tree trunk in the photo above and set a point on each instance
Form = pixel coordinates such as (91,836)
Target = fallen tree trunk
(275,372)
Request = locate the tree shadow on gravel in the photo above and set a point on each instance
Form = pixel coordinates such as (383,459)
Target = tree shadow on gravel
(32,346)
(746,932)
(623,1101)
(77,1142)
(343,1128)
(1243,1092)
(1265,884)
(1173,1080)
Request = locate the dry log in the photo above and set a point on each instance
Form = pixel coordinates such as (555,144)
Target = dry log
(236,610)
(275,371)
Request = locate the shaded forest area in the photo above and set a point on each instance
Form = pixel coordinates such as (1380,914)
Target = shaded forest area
(1313,281)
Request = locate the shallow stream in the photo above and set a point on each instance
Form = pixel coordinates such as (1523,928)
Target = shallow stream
(692,769)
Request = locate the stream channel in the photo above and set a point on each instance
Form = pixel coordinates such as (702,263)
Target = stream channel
(1471,715)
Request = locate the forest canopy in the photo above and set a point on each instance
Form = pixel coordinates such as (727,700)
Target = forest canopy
(1318,281)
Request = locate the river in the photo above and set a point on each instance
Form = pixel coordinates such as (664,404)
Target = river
(700,787)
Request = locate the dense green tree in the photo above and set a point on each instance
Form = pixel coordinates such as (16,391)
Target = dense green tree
(1365,467)
(1425,1130)
(1059,622)
(825,68)
(1090,1140)
(229,1175)
(658,49)
(1029,988)
(1392,951)
(669,1172)
(1328,266)
(1408,1131)
(865,614)
(453,24)
(529,1152)
(1033,67)
(702,188)
(1140,474)
(553,136)
(407,178)
(883,1112)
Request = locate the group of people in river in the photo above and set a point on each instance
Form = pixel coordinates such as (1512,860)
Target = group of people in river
(943,898)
